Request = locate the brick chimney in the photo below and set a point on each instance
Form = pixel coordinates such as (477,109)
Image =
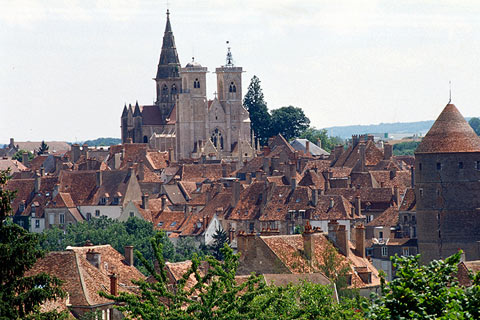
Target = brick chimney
(360,240)
(129,257)
(307,147)
(25,159)
(387,151)
(337,152)
(266,164)
(141,170)
(314,197)
(113,284)
(358,206)
(396,196)
(246,245)
(308,242)
(94,257)
(342,240)
(145,201)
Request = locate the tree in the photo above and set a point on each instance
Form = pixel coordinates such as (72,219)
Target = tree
(426,292)
(289,121)
(327,143)
(19,155)
(220,238)
(475,124)
(43,148)
(20,295)
(257,107)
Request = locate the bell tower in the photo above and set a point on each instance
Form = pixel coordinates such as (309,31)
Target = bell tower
(168,81)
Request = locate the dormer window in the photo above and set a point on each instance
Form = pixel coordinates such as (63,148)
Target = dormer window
(33,210)
(232,88)
(103,200)
(115,201)
(196,84)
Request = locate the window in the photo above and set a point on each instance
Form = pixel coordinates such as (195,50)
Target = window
(89,216)
(414,232)
(115,200)
(131,214)
(37,223)
(103,200)
(174,89)
(460,165)
(145,139)
(420,166)
(477,165)
(405,219)
(232,88)
(405,251)
(62,218)
(439,166)
(97,213)
(413,219)
(384,251)
(160,224)
(421,192)
(173,223)
(380,234)
(251,227)
(164,93)
(196,84)
(51,218)
(33,210)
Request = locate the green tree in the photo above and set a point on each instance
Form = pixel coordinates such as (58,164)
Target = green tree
(327,143)
(43,148)
(19,155)
(405,148)
(220,238)
(425,292)
(257,107)
(289,121)
(475,124)
(20,295)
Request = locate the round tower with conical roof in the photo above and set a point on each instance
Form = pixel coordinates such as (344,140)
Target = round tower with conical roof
(447,185)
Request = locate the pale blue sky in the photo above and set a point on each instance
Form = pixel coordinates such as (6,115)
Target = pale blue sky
(67,67)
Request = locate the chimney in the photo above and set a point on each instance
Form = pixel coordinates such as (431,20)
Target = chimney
(42,171)
(337,152)
(164,201)
(307,147)
(331,204)
(358,206)
(342,240)
(332,230)
(12,143)
(387,151)
(235,193)
(113,284)
(362,156)
(145,201)
(246,245)
(266,164)
(25,159)
(360,240)
(308,242)
(171,155)
(94,258)
(224,170)
(266,151)
(38,183)
(293,175)
(141,170)
(396,196)
(99,178)
(129,255)
(75,152)
(412,172)
(315,197)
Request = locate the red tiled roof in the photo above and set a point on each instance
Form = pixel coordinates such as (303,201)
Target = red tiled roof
(388,218)
(450,133)
(14,165)
(409,201)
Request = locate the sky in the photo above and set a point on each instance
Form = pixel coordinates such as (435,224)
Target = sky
(68,67)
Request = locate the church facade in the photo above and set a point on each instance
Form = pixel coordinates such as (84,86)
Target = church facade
(183,120)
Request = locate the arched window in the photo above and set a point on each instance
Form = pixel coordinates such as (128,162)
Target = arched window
(145,139)
(164,93)
(174,89)
(232,88)
(196,83)
(217,139)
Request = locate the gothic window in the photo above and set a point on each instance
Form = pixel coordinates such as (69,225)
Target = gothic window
(164,93)
(174,89)
(217,139)
(196,83)
(232,88)
(145,139)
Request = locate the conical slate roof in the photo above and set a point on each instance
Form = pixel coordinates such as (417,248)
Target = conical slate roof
(169,64)
(450,133)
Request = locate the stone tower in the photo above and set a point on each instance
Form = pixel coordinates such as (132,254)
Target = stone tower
(168,82)
(447,185)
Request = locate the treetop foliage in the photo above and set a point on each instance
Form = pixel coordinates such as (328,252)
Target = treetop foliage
(475,124)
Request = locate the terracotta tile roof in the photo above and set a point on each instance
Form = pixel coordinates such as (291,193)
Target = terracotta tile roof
(281,199)
(201,172)
(157,159)
(174,194)
(62,200)
(178,269)
(81,279)
(25,191)
(388,218)
(168,220)
(320,165)
(312,179)
(248,206)
(449,133)
(341,209)
(287,278)
(372,195)
(351,156)
(14,165)
(409,201)
(81,185)
(289,249)
(251,166)
(464,270)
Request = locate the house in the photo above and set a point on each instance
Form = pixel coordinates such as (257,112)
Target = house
(86,271)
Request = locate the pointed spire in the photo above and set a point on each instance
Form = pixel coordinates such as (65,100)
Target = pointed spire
(137,111)
(169,64)
(125,111)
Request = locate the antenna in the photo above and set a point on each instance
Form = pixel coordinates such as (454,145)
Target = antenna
(450,85)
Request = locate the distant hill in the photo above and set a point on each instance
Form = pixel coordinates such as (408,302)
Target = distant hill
(397,127)
(103,142)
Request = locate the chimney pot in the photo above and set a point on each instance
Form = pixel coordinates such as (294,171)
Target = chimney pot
(145,201)
(129,257)
(113,284)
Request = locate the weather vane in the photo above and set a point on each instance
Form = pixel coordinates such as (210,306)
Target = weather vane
(229,56)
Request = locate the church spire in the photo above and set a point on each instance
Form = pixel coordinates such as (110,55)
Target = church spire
(169,64)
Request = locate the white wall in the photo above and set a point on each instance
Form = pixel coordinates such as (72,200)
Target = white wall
(211,229)
(113,212)
(33,223)
(323,224)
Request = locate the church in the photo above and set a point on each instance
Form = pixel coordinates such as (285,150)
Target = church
(183,120)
